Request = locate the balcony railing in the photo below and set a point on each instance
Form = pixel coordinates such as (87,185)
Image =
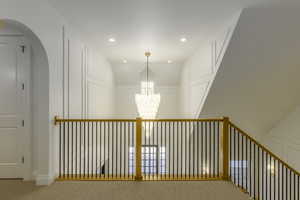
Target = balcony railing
(173,150)
(138,149)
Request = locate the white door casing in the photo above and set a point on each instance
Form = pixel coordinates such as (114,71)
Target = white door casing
(14,107)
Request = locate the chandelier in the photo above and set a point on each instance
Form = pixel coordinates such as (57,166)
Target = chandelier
(147,102)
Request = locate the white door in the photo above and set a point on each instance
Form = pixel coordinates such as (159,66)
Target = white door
(12,102)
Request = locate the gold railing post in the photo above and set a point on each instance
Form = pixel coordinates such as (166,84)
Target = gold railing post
(225,148)
(138,150)
(55,120)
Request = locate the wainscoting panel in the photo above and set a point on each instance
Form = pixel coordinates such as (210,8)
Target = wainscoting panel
(87,81)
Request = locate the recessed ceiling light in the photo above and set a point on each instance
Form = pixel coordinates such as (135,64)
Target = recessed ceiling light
(169,61)
(125,61)
(112,39)
(183,39)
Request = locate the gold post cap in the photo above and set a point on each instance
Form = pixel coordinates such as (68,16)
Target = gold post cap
(147,54)
(2,24)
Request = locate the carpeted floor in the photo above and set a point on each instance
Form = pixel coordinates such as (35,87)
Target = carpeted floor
(218,190)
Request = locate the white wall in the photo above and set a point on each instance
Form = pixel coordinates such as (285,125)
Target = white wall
(284,139)
(126,107)
(196,75)
(257,83)
(128,79)
(47,25)
(88,80)
(47,28)
(199,71)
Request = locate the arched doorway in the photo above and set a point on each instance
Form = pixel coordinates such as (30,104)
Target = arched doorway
(24,106)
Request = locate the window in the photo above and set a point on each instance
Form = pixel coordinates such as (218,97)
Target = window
(153,162)
(149,160)
(162,160)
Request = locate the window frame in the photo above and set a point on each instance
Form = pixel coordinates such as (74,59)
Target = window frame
(160,155)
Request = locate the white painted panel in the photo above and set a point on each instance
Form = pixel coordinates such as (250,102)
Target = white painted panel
(220,43)
(8,146)
(8,170)
(125,101)
(10,110)
(197,73)
(75,79)
(201,63)
(203,66)
(8,121)
(99,100)
(8,79)
(98,68)
(169,102)
(198,92)
(88,81)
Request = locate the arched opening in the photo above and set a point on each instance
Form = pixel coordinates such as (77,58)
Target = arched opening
(32,118)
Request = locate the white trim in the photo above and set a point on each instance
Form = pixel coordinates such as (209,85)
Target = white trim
(201,81)
(219,58)
(63,71)
(82,82)
(44,179)
(219,55)
(202,100)
(137,86)
(27,136)
(24,112)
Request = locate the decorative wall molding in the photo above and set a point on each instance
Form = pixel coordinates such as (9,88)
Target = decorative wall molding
(201,81)
(219,55)
(83,71)
(98,82)
(138,87)
(207,78)
(202,100)
(85,66)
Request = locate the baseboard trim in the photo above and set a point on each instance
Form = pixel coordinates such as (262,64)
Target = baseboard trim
(44,179)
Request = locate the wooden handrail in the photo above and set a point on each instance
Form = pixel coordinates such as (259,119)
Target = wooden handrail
(183,120)
(264,148)
(58,120)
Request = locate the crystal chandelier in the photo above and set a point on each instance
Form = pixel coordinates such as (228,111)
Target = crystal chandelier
(147,102)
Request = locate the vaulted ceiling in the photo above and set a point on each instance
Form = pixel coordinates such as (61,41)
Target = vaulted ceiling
(157,25)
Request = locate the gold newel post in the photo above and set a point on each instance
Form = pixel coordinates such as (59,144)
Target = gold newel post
(225,148)
(138,150)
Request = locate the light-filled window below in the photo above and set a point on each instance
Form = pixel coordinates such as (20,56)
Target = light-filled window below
(153,159)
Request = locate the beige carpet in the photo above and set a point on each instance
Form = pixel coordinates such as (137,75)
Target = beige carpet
(218,190)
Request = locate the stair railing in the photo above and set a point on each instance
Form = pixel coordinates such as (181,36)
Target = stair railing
(258,171)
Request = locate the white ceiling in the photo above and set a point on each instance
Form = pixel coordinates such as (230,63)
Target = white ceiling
(157,25)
